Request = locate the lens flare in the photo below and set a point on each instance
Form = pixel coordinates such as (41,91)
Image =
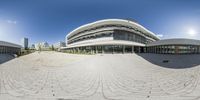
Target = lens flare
(192,32)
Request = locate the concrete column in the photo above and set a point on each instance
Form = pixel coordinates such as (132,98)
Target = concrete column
(123,49)
(78,50)
(91,50)
(84,50)
(132,49)
(96,51)
(112,49)
(102,49)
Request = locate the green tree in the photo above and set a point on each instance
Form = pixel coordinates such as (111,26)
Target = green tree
(52,48)
(40,48)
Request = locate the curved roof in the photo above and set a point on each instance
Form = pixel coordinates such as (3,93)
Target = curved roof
(112,21)
(8,44)
(175,41)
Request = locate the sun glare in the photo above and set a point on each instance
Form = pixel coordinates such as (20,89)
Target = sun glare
(192,32)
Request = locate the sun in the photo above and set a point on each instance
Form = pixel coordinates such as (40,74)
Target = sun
(192,32)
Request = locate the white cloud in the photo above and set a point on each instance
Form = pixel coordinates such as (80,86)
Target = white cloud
(11,21)
(160,35)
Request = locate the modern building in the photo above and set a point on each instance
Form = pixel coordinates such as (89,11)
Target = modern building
(109,36)
(9,48)
(174,46)
(24,42)
(124,36)
(45,45)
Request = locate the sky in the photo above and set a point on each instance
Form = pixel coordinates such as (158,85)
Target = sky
(52,20)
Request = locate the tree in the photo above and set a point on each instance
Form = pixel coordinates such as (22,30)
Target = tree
(40,48)
(52,48)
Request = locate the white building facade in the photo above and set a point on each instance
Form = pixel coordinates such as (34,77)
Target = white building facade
(109,36)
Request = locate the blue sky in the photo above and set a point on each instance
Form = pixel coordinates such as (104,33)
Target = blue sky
(51,20)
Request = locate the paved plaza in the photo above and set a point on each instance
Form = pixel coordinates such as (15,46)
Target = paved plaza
(61,76)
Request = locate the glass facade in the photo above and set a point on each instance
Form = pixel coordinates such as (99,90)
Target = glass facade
(9,50)
(136,35)
(118,32)
(174,49)
(129,36)
(106,49)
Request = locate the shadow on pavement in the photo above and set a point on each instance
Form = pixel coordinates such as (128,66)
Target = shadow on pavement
(5,57)
(172,61)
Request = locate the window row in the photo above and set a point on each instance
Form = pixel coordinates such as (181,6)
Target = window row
(113,25)
(4,49)
(170,49)
(90,37)
(123,35)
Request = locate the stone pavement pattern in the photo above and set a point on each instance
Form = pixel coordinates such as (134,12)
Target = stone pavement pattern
(60,76)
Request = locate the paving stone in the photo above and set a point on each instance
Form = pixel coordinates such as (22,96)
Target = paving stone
(61,76)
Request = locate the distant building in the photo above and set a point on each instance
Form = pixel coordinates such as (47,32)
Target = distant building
(33,46)
(42,46)
(24,42)
(45,45)
(58,45)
